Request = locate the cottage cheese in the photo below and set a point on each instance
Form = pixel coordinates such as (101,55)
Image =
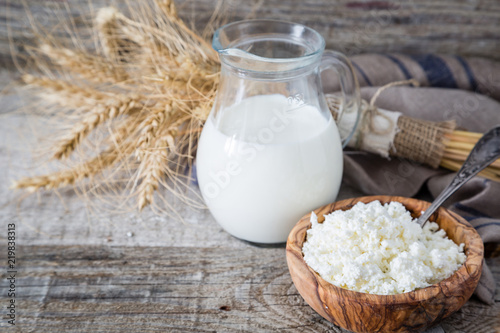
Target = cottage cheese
(380,249)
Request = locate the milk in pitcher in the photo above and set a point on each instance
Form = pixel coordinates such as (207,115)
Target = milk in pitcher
(269,161)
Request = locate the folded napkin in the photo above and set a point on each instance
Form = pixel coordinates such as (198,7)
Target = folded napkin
(476,201)
(455,72)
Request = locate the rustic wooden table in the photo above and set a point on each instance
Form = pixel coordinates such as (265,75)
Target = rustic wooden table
(78,271)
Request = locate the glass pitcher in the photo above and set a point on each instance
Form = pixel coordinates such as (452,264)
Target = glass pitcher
(270,150)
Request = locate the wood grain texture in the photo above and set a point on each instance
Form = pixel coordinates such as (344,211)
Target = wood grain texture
(66,289)
(445,26)
(159,289)
(80,272)
(408,312)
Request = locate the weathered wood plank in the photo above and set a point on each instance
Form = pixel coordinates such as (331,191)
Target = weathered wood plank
(199,289)
(446,26)
(178,289)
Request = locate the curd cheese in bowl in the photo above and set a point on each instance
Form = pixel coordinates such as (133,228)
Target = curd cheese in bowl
(378,252)
(380,249)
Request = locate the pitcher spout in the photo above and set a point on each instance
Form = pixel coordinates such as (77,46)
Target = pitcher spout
(267,45)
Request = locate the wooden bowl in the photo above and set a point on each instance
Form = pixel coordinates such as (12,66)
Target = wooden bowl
(408,312)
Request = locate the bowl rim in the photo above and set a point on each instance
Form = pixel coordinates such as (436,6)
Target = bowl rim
(469,269)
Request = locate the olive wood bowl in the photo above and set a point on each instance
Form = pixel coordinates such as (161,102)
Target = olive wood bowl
(408,312)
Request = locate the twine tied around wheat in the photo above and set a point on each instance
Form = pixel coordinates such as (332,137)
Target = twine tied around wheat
(415,139)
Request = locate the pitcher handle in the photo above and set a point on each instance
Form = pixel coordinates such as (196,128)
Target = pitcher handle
(350,110)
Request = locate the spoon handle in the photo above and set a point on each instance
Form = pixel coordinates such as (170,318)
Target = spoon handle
(485,152)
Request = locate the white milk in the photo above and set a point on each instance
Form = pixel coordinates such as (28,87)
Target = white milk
(266,164)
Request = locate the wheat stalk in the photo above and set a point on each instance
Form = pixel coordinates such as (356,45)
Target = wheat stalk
(151,171)
(108,29)
(456,165)
(63,93)
(170,11)
(96,108)
(71,176)
(458,147)
(119,146)
(150,127)
(84,64)
(96,116)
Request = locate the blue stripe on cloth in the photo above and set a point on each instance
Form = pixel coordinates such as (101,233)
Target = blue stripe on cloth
(470,210)
(401,66)
(468,71)
(437,72)
(471,218)
(363,74)
(488,224)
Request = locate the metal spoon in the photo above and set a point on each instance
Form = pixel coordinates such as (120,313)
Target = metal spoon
(485,152)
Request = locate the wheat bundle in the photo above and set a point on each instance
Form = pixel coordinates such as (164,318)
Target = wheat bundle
(147,88)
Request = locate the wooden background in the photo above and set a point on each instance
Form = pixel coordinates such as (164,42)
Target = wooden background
(81,272)
(444,26)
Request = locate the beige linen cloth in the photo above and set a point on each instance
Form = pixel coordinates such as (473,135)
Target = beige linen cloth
(457,89)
